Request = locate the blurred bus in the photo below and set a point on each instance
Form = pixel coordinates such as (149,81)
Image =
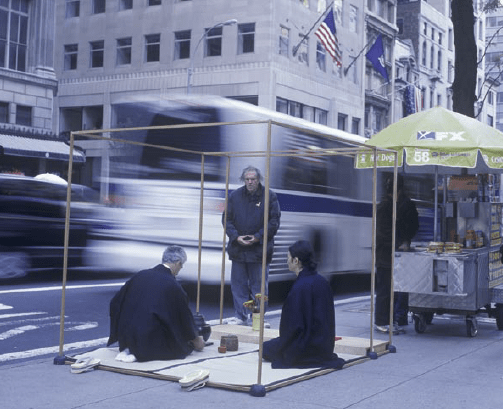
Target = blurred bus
(154,194)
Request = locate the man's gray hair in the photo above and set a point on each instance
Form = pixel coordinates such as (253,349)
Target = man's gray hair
(251,169)
(174,254)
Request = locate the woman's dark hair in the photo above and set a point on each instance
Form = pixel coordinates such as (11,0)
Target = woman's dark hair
(303,250)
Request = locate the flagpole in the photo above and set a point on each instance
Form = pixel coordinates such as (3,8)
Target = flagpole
(296,48)
(354,60)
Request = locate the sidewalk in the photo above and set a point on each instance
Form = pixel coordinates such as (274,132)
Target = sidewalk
(441,368)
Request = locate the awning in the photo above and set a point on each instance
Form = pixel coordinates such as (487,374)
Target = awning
(13,145)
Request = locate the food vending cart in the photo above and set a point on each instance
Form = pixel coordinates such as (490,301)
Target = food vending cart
(463,275)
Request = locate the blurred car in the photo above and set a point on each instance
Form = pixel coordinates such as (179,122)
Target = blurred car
(32,224)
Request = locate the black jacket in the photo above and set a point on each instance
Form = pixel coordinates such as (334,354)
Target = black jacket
(407,225)
(245,216)
(150,315)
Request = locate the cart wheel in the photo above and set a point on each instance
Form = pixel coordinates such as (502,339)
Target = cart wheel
(499,316)
(471,326)
(419,323)
(428,317)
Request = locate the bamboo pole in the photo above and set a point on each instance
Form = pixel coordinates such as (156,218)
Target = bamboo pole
(199,251)
(264,252)
(222,278)
(59,360)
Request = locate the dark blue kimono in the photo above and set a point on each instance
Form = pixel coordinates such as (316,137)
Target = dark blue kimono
(307,327)
(150,315)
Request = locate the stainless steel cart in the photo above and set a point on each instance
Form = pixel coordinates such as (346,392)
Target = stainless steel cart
(443,283)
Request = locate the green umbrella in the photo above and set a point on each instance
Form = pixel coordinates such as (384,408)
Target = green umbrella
(438,137)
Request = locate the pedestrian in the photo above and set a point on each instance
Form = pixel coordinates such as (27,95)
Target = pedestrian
(407,225)
(150,315)
(244,226)
(307,327)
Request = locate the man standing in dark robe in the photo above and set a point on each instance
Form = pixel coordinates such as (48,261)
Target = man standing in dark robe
(150,315)
(307,327)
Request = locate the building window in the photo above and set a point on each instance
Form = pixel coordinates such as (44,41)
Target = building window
(399,24)
(433,34)
(451,39)
(284,36)
(13,34)
(425,29)
(152,47)
(321,57)
(182,44)
(70,59)
(97,53)
(490,98)
(246,38)
(99,6)
(303,51)
(439,100)
(23,115)
(320,116)
(282,105)
(490,120)
(439,60)
(124,51)
(355,126)
(213,44)
(432,57)
(4,112)
(439,38)
(154,2)
(353,19)
(423,54)
(72,8)
(125,4)
(342,120)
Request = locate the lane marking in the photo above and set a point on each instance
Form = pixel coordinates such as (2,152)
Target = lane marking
(17,331)
(20,314)
(59,288)
(5,307)
(52,350)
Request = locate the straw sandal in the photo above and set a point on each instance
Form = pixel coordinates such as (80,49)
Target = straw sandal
(194,380)
(84,365)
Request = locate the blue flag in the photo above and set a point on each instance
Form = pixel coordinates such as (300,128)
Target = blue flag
(376,57)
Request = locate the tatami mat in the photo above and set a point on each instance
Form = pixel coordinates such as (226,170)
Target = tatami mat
(231,370)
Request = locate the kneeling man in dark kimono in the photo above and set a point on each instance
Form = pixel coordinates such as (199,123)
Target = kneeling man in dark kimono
(307,327)
(150,315)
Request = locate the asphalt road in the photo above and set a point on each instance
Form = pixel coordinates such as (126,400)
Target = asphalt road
(30,310)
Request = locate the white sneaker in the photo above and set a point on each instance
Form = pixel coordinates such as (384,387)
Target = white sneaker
(125,356)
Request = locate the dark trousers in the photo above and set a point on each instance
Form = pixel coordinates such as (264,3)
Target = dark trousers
(382,295)
(383,299)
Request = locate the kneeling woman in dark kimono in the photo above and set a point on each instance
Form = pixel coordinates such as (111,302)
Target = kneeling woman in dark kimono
(307,326)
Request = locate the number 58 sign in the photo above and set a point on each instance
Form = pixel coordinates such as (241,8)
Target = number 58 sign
(421,156)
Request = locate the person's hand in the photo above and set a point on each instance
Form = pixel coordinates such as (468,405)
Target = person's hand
(247,240)
(198,343)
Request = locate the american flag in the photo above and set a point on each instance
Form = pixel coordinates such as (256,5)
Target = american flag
(327,34)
